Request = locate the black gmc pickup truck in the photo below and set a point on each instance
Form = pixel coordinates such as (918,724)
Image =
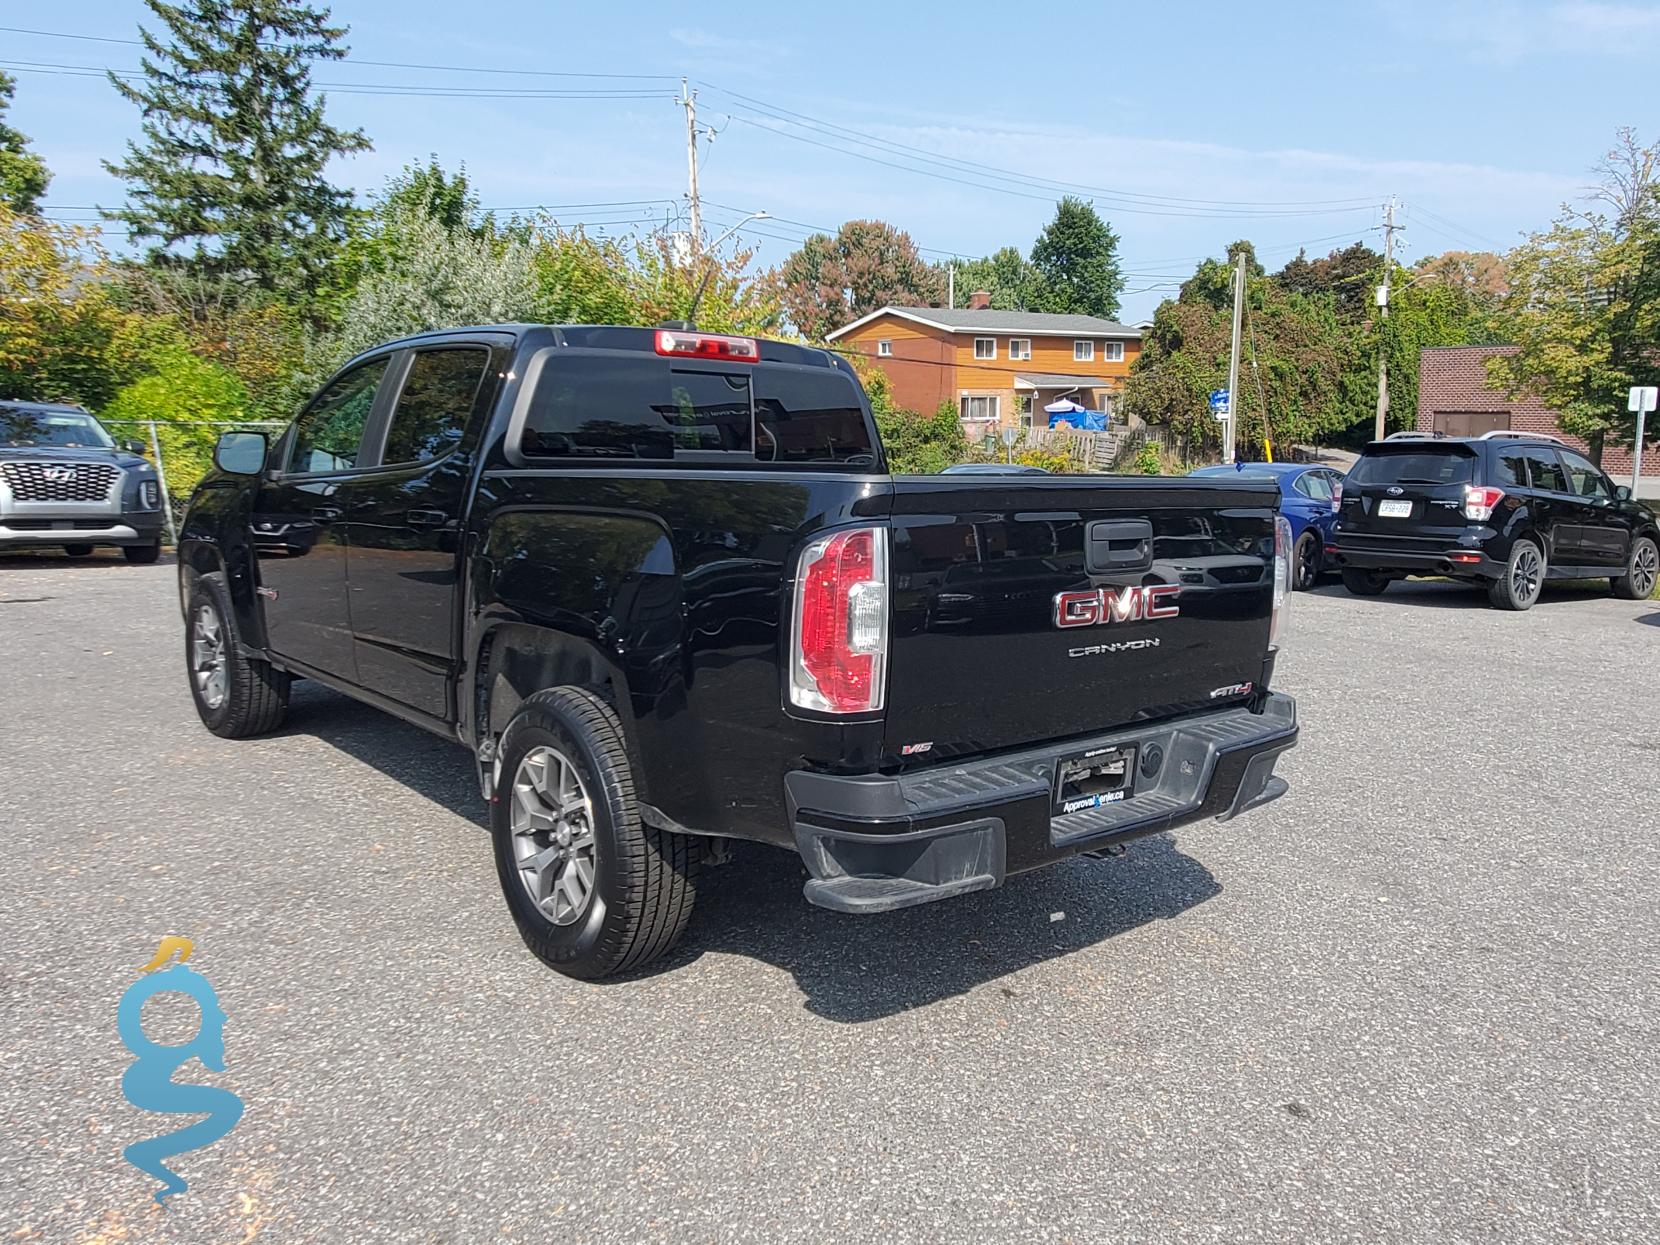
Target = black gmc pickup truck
(660,584)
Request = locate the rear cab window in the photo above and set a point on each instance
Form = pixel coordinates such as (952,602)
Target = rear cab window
(1415,463)
(627,405)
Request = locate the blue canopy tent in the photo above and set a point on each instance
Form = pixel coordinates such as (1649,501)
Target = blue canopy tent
(1068,414)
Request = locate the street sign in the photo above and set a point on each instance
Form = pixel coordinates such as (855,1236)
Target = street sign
(1219,403)
(1010,436)
(1642,398)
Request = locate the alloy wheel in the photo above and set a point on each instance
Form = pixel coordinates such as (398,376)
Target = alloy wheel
(1645,568)
(1526,575)
(552,820)
(1306,554)
(207,657)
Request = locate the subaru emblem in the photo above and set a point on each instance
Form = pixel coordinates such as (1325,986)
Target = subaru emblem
(1395,490)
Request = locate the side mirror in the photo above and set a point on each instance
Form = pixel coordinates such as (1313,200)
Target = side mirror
(1622,492)
(240,453)
(134,446)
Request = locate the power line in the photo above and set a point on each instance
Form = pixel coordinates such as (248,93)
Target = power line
(778,112)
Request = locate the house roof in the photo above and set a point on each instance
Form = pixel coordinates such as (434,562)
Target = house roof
(962,320)
(1059,380)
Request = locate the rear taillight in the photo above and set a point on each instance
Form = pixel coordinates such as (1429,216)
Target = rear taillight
(1282,579)
(1337,496)
(1479,502)
(708,346)
(839,640)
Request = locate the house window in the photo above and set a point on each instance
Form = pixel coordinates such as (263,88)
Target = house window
(985,347)
(1083,351)
(981,406)
(1020,347)
(1112,352)
(884,348)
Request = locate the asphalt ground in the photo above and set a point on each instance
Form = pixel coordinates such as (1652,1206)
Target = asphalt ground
(1414,1000)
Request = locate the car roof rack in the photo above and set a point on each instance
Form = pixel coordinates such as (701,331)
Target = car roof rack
(1413,436)
(1505,434)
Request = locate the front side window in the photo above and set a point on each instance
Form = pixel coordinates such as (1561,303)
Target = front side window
(1020,347)
(328,436)
(436,402)
(1585,479)
(1547,472)
(884,348)
(1083,351)
(985,347)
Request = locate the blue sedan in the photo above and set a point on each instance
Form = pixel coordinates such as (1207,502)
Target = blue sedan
(1308,499)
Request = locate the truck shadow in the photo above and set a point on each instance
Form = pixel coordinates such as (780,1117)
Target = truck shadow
(1453,595)
(854,969)
(850,969)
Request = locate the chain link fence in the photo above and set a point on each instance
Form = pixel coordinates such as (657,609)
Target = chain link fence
(183,452)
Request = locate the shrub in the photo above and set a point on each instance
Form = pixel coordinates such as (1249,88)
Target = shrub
(184,387)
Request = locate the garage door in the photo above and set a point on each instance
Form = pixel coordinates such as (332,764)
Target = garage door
(1469,423)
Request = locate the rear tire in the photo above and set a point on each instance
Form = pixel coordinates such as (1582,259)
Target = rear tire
(78,551)
(143,555)
(593,889)
(1642,568)
(235,696)
(1523,579)
(1364,583)
(1305,569)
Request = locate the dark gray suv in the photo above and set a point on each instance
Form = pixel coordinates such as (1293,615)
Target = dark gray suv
(1505,509)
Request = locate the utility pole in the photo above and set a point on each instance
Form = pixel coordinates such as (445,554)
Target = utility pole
(951,283)
(1231,424)
(688,101)
(1389,227)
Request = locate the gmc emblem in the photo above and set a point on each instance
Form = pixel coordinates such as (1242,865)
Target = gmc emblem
(1107,605)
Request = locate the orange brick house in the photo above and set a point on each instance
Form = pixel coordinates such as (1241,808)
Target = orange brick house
(999,368)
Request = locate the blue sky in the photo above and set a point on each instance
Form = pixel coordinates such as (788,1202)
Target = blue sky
(1189,124)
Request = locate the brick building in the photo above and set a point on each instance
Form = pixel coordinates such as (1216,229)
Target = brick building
(1453,398)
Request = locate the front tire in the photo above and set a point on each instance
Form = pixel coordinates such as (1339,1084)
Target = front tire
(142,555)
(593,889)
(1364,583)
(235,696)
(1642,569)
(1306,568)
(1523,579)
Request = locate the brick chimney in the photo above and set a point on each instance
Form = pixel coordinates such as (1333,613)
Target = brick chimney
(980,300)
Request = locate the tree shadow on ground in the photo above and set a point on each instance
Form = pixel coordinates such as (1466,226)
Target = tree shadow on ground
(850,968)
(52,558)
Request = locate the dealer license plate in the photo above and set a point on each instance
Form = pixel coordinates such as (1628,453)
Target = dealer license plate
(1394,510)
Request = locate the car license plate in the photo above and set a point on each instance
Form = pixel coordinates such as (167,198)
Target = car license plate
(1100,776)
(1394,510)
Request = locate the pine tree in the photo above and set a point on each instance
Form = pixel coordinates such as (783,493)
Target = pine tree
(234,142)
(23,174)
(1076,259)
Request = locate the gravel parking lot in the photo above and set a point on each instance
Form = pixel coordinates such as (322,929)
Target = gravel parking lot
(1414,1000)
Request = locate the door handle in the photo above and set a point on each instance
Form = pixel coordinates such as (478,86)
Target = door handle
(327,514)
(426,518)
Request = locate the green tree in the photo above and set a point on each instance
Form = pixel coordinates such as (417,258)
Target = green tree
(184,394)
(23,174)
(1348,274)
(832,281)
(1076,261)
(1005,274)
(235,143)
(1583,302)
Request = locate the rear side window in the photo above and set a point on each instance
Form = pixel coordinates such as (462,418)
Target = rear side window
(1547,472)
(1415,466)
(625,406)
(435,404)
(1510,468)
(1315,484)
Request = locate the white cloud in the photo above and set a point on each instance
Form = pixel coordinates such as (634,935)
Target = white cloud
(725,45)
(1506,33)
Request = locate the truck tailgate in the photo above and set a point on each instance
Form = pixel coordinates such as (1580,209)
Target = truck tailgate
(979,661)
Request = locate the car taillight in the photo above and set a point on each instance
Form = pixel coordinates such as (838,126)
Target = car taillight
(1337,497)
(1479,502)
(708,346)
(1282,579)
(839,640)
